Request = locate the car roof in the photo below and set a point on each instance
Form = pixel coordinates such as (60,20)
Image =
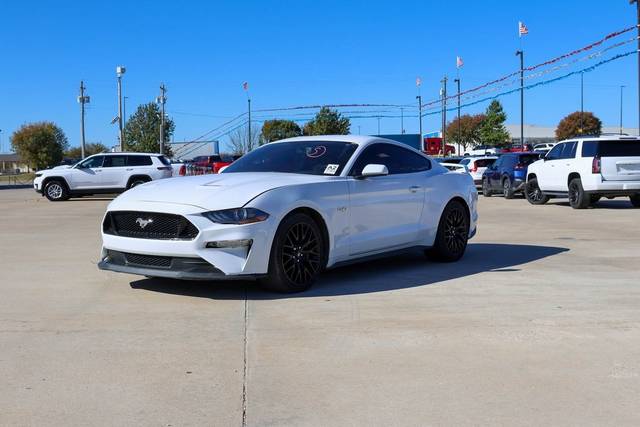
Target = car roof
(604,137)
(354,139)
(118,153)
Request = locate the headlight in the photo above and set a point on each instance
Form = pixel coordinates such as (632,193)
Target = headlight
(237,216)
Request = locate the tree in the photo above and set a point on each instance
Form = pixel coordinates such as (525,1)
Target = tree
(89,150)
(274,130)
(240,143)
(492,130)
(39,144)
(142,131)
(578,124)
(327,122)
(466,130)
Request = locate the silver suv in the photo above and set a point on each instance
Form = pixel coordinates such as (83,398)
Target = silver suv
(101,173)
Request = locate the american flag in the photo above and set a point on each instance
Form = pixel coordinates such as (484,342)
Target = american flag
(459,62)
(522,29)
(418,81)
(245,85)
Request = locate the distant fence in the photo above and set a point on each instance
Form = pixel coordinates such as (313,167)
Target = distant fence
(16,181)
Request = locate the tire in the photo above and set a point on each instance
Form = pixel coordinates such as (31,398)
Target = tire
(135,182)
(534,195)
(507,189)
(298,255)
(578,199)
(453,233)
(486,189)
(56,191)
(635,200)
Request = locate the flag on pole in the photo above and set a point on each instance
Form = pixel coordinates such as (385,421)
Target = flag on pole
(245,85)
(459,62)
(418,81)
(522,29)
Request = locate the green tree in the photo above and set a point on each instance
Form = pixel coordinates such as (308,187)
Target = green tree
(466,130)
(492,131)
(327,122)
(142,131)
(578,124)
(89,149)
(275,130)
(40,144)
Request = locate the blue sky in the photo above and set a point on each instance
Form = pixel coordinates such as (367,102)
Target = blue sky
(293,53)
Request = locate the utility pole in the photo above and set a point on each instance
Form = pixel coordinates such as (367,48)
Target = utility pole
(582,102)
(120,70)
(358,129)
(82,99)
(124,111)
(621,95)
(401,120)
(638,25)
(459,124)
(520,53)
(1,148)
(419,98)
(378,124)
(162,99)
(249,145)
(444,112)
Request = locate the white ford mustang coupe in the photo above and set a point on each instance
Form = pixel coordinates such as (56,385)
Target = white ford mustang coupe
(288,210)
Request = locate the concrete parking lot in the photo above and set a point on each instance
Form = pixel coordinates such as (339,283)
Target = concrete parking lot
(539,324)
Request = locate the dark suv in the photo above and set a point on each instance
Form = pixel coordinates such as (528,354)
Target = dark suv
(508,174)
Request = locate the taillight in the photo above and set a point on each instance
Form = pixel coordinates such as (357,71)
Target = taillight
(596,165)
(183,170)
(474,168)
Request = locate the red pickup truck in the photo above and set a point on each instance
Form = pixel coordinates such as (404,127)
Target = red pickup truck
(213,163)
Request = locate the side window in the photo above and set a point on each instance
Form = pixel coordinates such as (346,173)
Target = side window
(115,161)
(569,150)
(498,164)
(397,159)
(556,152)
(93,162)
(139,161)
(589,148)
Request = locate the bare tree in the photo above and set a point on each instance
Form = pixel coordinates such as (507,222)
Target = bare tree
(239,140)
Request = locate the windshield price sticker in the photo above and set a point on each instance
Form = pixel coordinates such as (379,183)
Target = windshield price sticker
(331,169)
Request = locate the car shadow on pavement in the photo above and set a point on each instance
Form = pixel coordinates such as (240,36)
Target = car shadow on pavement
(397,272)
(603,204)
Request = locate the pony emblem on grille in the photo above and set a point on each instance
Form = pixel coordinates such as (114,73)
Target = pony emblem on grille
(143,222)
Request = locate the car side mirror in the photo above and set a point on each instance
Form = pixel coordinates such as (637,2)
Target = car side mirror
(374,170)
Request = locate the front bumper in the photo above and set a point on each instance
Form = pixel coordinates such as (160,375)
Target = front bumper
(228,262)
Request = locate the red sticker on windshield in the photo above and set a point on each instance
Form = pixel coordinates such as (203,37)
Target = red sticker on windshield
(316,152)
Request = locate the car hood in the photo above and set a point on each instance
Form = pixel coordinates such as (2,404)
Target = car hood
(212,192)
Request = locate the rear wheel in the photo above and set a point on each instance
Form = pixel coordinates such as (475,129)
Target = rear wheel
(486,189)
(56,191)
(134,182)
(534,195)
(635,200)
(453,233)
(297,255)
(578,199)
(507,188)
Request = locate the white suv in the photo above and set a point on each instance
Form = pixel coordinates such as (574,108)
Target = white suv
(101,173)
(586,169)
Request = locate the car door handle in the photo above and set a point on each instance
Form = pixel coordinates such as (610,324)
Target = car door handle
(98,170)
(129,169)
(414,188)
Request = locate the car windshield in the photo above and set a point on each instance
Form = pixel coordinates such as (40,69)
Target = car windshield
(304,157)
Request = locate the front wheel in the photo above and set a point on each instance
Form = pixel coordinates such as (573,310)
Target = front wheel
(297,256)
(635,200)
(534,195)
(453,233)
(578,199)
(507,189)
(56,191)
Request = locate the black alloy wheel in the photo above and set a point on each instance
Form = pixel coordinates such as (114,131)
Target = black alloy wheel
(578,199)
(453,233)
(507,190)
(534,195)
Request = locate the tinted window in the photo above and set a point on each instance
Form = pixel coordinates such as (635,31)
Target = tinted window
(555,153)
(589,148)
(305,157)
(164,160)
(397,159)
(140,161)
(619,148)
(528,159)
(92,162)
(483,163)
(569,150)
(115,161)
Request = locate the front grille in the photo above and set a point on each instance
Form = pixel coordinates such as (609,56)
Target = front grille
(149,225)
(148,260)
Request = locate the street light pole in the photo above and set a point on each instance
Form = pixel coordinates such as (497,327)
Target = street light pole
(120,70)
(378,124)
(402,120)
(82,99)
(621,95)
(249,145)
(419,98)
(444,113)
(162,99)
(459,124)
(520,53)
(638,26)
